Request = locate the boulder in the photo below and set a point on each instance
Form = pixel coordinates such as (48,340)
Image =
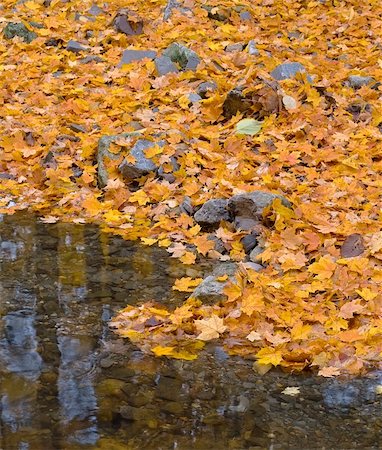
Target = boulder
(142,165)
(129,56)
(251,48)
(357,81)
(287,70)
(255,255)
(128,22)
(13,29)
(212,213)
(75,47)
(249,242)
(210,290)
(252,205)
(164,65)
(103,153)
(206,88)
(180,54)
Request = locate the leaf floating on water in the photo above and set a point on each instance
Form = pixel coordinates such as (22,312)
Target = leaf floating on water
(292,391)
(210,328)
(329,372)
(248,127)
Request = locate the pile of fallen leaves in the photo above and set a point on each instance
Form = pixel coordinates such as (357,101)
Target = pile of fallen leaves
(319,146)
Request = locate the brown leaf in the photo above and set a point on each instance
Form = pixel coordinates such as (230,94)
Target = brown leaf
(352,246)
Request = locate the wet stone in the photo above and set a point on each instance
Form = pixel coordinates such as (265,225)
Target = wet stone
(169,389)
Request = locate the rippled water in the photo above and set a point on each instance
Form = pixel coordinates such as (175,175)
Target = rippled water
(66,382)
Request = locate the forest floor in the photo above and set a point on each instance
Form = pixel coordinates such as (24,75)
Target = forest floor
(304,76)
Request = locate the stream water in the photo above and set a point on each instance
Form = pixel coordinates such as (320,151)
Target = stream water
(67,382)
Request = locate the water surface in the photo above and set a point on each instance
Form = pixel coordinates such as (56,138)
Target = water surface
(67,382)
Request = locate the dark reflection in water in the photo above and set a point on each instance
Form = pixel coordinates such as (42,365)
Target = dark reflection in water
(66,382)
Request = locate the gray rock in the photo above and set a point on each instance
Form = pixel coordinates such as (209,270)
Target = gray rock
(180,54)
(205,88)
(235,102)
(129,56)
(252,49)
(245,223)
(232,48)
(91,58)
(255,255)
(75,47)
(95,10)
(245,15)
(77,128)
(169,175)
(128,22)
(249,242)
(103,153)
(253,266)
(252,205)
(357,81)
(287,70)
(194,98)
(186,206)
(164,65)
(212,213)
(219,245)
(13,29)
(210,290)
(142,165)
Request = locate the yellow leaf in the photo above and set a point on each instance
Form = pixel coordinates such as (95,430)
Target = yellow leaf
(210,328)
(148,241)
(366,293)
(140,197)
(186,284)
(300,331)
(269,355)
(152,151)
(324,268)
(188,258)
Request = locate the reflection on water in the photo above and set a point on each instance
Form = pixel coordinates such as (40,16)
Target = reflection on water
(66,382)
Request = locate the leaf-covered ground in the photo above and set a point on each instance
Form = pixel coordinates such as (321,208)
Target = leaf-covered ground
(320,148)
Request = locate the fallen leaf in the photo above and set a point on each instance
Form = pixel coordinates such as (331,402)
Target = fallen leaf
(210,328)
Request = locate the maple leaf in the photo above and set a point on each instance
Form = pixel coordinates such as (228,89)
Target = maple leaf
(348,310)
(291,390)
(268,355)
(329,372)
(323,268)
(186,284)
(210,328)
